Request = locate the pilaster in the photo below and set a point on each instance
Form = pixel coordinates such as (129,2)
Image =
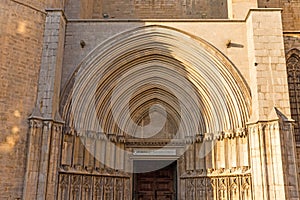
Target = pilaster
(33,158)
(46,125)
(51,66)
(271,172)
(272,149)
(267,67)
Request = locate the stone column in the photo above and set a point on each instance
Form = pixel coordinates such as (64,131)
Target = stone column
(110,151)
(53,162)
(33,158)
(258,165)
(220,153)
(120,153)
(273,162)
(199,154)
(189,154)
(67,148)
(232,153)
(43,159)
(209,152)
(89,152)
(100,152)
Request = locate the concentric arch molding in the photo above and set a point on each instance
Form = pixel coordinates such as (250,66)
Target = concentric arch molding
(198,88)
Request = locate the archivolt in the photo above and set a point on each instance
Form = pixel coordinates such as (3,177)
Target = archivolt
(119,81)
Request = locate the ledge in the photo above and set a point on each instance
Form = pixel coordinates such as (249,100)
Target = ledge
(57,10)
(153,20)
(262,10)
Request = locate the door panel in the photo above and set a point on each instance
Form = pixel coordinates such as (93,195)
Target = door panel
(156,185)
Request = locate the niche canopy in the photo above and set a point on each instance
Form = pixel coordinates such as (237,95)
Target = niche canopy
(154,75)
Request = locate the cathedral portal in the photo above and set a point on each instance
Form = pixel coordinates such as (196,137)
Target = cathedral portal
(156,93)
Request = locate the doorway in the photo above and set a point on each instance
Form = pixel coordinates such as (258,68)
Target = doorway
(158,184)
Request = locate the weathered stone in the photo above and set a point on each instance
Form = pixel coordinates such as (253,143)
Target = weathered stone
(226,80)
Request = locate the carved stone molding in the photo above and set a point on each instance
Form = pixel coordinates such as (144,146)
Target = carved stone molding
(98,188)
(210,172)
(225,188)
(35,123)
(86,187)
(154,142)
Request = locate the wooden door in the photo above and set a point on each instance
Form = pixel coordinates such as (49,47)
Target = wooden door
(156,185)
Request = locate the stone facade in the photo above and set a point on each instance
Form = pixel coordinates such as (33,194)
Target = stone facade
(146,9)
(81,81)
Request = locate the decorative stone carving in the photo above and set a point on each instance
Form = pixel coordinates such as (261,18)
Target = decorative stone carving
(98,188)
(108,188)
(119,188)
(201,188)
(190,189)
(222,189)
(86,188)
(210,188)
(127,189)
(64,181)
(75,192)
(246,188)
(231,187)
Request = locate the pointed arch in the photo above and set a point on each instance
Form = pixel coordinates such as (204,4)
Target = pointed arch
(293,72)
(199,87)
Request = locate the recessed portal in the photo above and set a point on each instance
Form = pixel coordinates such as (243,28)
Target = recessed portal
(160,184)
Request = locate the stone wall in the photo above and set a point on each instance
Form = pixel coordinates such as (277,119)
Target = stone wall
(290,13)
(93,33)
(21,35)
(298,161)
(128,9)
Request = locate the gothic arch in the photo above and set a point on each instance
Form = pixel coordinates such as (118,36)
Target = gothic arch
(149,77)
(293,70)
(181,71)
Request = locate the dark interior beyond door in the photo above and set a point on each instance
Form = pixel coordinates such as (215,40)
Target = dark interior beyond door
(159,184)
